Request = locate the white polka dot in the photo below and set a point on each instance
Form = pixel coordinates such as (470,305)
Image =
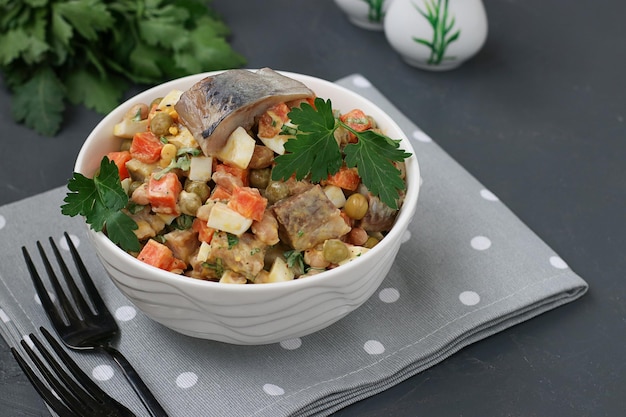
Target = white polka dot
(186,380)
(374,347)
(272,389)
(3,222)
(4,317)
(488,195)
(421,136)
(291,344)
(389,295)
(102,372)
(125,313)
(558,263)
(63,242)
(481,243)
(406,236)
(51,295)
(361,82)
(469,298)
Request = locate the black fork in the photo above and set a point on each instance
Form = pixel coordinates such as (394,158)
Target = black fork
(69,391)
(78,325)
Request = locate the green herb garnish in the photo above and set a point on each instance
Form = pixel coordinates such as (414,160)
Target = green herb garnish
(183,222)
(89,51)
(101,200)
(218,267)
(315,152)
(182,162)
(232,240)
(295,259)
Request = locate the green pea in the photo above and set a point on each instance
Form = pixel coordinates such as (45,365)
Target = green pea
(276,191)
(335,251)
(201,189)
(260,178)
(161,123)
(356,206)
(371,242)
(189,203)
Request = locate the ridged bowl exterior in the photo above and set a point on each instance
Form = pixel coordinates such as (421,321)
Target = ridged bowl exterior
(250,314)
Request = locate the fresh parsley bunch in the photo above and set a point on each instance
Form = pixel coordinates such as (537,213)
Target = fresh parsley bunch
(89,51)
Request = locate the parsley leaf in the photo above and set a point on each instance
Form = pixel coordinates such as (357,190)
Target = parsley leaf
(315,151)
(295,259)
(232,240)
(372,155)
(100,200)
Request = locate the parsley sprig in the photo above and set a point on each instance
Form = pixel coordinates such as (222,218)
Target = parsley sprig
(101,200)
(315,152)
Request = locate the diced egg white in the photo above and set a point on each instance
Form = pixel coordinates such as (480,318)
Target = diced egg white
(238,149)
(336,195)
(170,99)
(128,127)
(183,139)
(201,168)
(231,277)
(228,220)
(276,143)
(355,252)
(280,272)
(167,218)
(204,251)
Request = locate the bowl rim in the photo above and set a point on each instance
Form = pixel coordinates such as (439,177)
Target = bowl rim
(405,214)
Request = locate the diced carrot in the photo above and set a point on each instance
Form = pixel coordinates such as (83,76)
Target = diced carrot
(346,178)
(243,174)
(271,122)
(163,193)
(146,147)
(248,202)
(205,233)
(120,158)
(357,120)
(220,193)
(159,255)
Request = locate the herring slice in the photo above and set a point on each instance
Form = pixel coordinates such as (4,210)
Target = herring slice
(215,106)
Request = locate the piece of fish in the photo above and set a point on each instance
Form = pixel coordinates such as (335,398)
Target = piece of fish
(215,106)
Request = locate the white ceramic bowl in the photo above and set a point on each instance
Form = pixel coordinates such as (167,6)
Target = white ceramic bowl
(255,313)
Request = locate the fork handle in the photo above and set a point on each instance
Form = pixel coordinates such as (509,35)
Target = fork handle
(142,390)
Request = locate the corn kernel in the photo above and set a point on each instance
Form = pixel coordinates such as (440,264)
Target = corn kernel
(168,152)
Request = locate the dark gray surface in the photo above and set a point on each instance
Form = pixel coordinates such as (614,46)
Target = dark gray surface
(537,117)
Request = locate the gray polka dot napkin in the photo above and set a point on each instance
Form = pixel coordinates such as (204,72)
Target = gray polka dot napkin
(468,268)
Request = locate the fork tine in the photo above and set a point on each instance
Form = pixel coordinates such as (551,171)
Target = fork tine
(41,388)
(71,393)
(75,395)
(40,288)
(71,397)
(90,287)
(82,305)
(64,301)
